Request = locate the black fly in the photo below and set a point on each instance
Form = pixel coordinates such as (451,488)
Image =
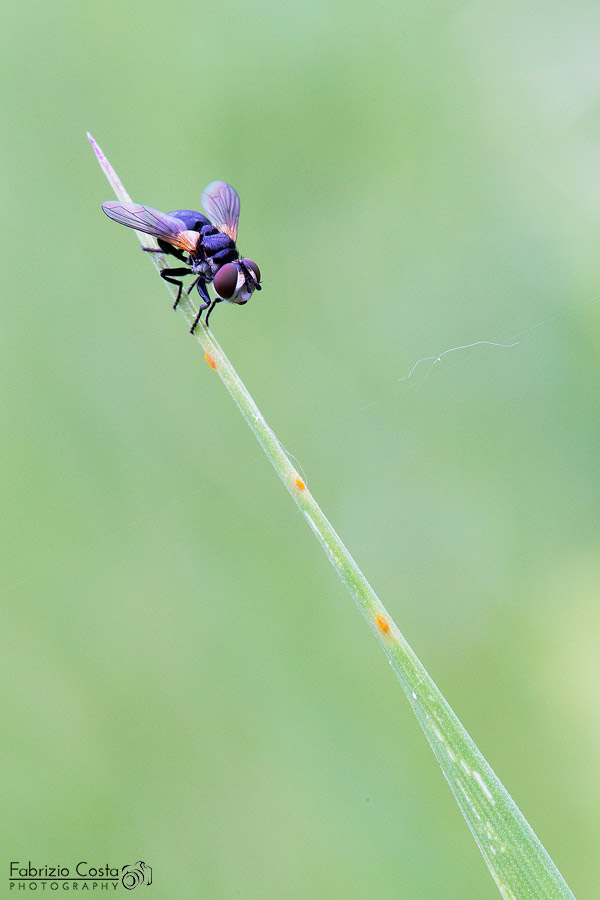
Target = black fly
(206,245)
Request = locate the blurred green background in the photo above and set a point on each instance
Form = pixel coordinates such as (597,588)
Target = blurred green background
(185,681)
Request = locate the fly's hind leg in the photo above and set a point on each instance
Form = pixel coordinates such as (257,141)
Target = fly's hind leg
(166,249)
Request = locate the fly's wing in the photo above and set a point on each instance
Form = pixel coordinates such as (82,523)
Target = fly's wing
(151,221)
(222,206)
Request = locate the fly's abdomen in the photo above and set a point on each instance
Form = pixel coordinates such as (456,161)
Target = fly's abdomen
(194,220)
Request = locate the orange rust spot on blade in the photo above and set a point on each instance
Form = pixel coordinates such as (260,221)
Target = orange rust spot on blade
(210,361)
(300,484)
(383,624)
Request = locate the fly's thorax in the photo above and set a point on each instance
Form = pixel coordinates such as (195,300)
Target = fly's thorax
(218,245)
(203,267)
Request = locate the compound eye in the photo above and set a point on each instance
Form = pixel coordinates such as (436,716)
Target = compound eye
(225,281)
(253,268)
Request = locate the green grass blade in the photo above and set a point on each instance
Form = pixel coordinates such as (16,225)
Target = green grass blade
(518,862)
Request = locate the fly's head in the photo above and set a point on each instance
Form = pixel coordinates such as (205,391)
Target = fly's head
(237,281)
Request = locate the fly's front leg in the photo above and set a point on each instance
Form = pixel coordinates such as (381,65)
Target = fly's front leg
(168,274)
(206,302)
(210,309)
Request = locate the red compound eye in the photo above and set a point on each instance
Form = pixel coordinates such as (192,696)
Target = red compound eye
(225,281)
(253,268)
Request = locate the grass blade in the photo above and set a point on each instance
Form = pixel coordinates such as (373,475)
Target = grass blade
(519,864)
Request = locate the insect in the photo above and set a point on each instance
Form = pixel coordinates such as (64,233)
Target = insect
(205,243)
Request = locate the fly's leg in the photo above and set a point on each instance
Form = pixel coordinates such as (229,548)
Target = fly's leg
(167,249)
(206,303)
(168,274)
(210,309)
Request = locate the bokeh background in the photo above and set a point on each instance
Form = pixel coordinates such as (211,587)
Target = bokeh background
(185,680)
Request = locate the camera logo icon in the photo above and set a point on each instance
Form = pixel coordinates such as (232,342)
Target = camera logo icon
(138,873)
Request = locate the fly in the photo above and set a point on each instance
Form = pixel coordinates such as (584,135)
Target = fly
(205,243)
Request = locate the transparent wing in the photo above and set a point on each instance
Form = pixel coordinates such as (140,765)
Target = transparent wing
(151,221)
(222,206)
